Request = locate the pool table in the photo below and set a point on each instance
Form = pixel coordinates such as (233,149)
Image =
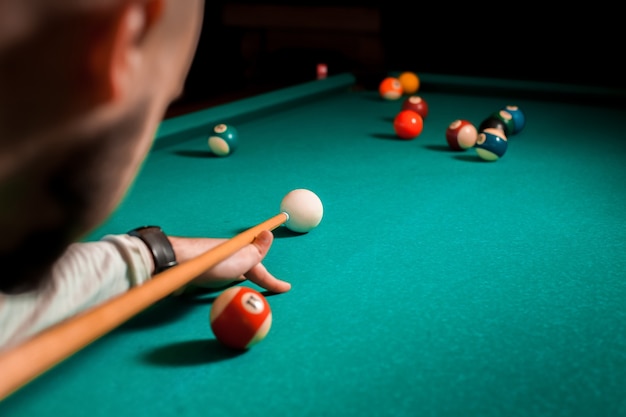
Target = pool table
(436,284)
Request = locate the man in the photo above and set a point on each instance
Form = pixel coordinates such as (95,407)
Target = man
(84,85)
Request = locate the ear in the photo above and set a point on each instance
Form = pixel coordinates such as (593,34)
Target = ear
(116,51)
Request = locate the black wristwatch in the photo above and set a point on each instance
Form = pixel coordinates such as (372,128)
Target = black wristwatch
(160,246)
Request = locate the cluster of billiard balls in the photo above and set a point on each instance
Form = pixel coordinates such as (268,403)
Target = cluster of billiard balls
(393,88)
(240,317)
(409,121)
(490,140)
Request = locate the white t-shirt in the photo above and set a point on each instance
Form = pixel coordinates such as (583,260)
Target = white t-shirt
(86,275)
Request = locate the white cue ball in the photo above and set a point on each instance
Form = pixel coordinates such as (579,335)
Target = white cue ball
(304,208)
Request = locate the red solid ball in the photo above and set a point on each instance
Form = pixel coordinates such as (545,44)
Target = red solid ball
(240,317)
(417,104)
(408,124)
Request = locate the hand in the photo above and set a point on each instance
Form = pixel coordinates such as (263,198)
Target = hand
(245,264)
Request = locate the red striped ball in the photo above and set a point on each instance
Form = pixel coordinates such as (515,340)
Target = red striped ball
(240,317)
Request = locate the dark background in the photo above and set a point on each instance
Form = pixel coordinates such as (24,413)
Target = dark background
(511,41)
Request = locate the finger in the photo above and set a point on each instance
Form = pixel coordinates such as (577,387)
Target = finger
(258,274)
(261,277)
(239,263)
(263,242)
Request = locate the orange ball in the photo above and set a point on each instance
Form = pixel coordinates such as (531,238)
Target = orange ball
(390,88)
(410,82)
(240,317)
(408,124)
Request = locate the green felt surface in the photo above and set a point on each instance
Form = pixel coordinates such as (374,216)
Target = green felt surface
(437,284)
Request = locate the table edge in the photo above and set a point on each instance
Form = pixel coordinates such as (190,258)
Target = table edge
(190,124)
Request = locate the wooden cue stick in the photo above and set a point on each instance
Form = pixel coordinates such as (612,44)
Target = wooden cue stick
(23,363)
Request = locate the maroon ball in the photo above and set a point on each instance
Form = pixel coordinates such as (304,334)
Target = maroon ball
(417,104)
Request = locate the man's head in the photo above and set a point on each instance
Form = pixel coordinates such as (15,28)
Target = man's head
(84,86)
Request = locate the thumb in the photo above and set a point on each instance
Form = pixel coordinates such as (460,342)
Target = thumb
(263,242)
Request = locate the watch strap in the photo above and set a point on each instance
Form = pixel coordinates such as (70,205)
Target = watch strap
(160,246)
